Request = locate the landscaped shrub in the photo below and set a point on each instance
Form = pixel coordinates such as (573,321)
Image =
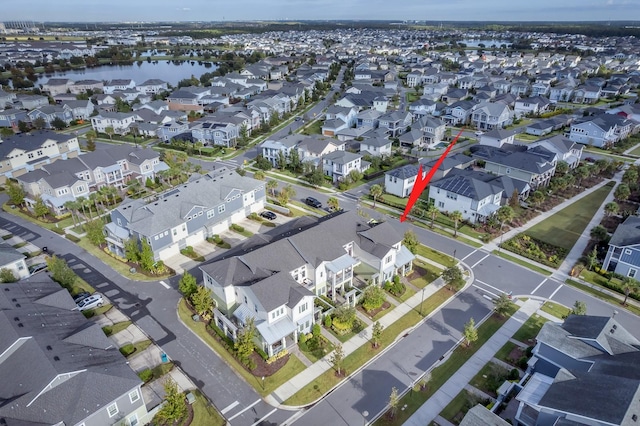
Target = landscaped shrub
(145,375)
(73,238)
(237,227)
(127,349)
(533,249)
(328,321)
(226,339)
(373,297)
(302,342)
(397,287)
(514,374)
(316,330)
(262,353)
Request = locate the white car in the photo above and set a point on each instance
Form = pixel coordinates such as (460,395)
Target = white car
(479,133)
(93,301)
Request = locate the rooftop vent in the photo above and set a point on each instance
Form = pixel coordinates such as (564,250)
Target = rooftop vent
(49,348)
(56,358)
(634,418)
(18,305)
(20,325)
(16,319)
(7,289)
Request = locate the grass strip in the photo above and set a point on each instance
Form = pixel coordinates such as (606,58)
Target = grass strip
(521,262)
(602,295)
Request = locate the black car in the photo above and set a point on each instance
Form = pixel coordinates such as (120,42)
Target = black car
(268,215)
(310,201)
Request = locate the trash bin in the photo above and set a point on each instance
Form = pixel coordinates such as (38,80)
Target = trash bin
(196,318)
(132,270)
(163,357)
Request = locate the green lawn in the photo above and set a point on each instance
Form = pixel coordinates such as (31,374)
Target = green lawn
(364,353)
(458,407)
(435,255)
(635,151)
(503,353)
(431,273)
(530,329)
(555,309)
(271,383)
(205,414)
(489,378)
(601,295)
(565,227)
(115,328)
(504,255)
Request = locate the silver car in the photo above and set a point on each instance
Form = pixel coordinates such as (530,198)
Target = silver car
(93,301)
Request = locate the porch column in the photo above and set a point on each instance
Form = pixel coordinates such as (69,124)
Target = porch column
(270,350)
(283,341)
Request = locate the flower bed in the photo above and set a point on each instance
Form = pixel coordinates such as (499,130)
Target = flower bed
(533,249)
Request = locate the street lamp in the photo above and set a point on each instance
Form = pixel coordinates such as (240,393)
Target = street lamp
(262,382)
(422,302)
(365,414)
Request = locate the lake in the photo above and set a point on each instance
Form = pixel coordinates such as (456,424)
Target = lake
(168,71)
(487,42)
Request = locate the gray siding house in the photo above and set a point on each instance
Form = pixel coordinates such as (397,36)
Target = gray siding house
(623,256)
(187,214)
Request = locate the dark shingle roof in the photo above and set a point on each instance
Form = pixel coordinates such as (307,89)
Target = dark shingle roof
(31,141)
(627,233)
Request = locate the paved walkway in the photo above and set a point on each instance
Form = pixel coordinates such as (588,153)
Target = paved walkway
(289,388)
(443,396)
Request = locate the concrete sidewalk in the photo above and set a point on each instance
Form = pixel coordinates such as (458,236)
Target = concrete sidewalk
(289,388)
(443,396)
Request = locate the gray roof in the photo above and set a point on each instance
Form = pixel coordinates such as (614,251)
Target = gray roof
(376,142)
(526,161)
(9,255)
(480,416)
(51,339)
(627,233)
(405,172)
(467,186)
(31,141)
(169,211)
(342,157)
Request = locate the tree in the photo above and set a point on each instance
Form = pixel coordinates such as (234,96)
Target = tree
(286,194)
(7,276)
(316,176)
(337,358)
(333,203)
(146,255)
(199,145)
(502,304)
(6,132)
(58,123)
(562,168)
(40,209)
(375,191)
(579,308)
(411,241)
(259,175)
(611,208)
(514,201)
(536,198)
(202,301)
(16,192)
(271,186)
(629,285)
(282,160)
(23,127)
(109,192)
(174,408)
(504,214)
(394,401)
(95,234)
(456,216)
(582,173)
(61,273)
(376,333)
(132,250)
(432,212)
(187,285)
(622,192)
(354,176)
(109,130)
(592,258)
(373,297)
(244,345)
(295,164)
(599,233)
(452,276)
(470,332)
(630,176)
(39,123)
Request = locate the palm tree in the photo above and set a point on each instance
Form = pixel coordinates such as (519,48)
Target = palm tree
(71,206)
(110,191)
(375,191)
(504,214)
(333,203)
(82,204)
(611,208)
(271,186)
(94,197)
(432,212)
(86,202)
(629,285)
(456,216)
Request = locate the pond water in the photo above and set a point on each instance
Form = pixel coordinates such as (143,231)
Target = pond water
(169,71)
(487,42)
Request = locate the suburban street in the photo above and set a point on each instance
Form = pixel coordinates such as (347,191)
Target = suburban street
(152,305)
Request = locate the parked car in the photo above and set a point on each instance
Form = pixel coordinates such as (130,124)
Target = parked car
(81,296)
(479,133)
(268,215)
(298,118)
(93,301)
(310,201)
(34,269)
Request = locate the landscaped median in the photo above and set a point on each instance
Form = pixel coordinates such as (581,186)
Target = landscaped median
(414,399)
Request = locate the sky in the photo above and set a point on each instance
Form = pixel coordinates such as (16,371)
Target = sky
(236,10)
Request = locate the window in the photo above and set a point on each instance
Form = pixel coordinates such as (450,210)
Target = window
(112,409)
(255,307)
(508,171)
(632,273)
(441,204)
(210,214)
(627,251)
(303,307)
(39,152)
(245,299)
(221,209)
(133,420)
(134,396)
(388,259)
(175,231)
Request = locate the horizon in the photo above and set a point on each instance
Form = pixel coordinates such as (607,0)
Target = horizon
(122,11)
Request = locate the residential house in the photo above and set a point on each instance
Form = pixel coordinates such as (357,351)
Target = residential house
(58,367)
(6,99)
(563,91)
(498,137)
(80,110)
(118,84)
(459,113)
(56,86)
(531,167)
(332,126)
(27,151)
(568,151)
(30,102)
(586,94)
(184,100)
(50,113)
(157,107)
(186,215)
(492,115)
(83,86)
(422,107)
(376,147)
(623,256)
(171,130)
(14,261)
(481,416)
(275,283)
(339,164)
(312,148)
(582,372)
(275,150)
(533,105)
(369,118)
(348,115)
(119,122)
(396,123)
(11,118)
(153,86)
(474,198)
(433,131)
(601,131)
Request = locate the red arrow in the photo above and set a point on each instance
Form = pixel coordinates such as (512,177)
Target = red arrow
(422,182)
